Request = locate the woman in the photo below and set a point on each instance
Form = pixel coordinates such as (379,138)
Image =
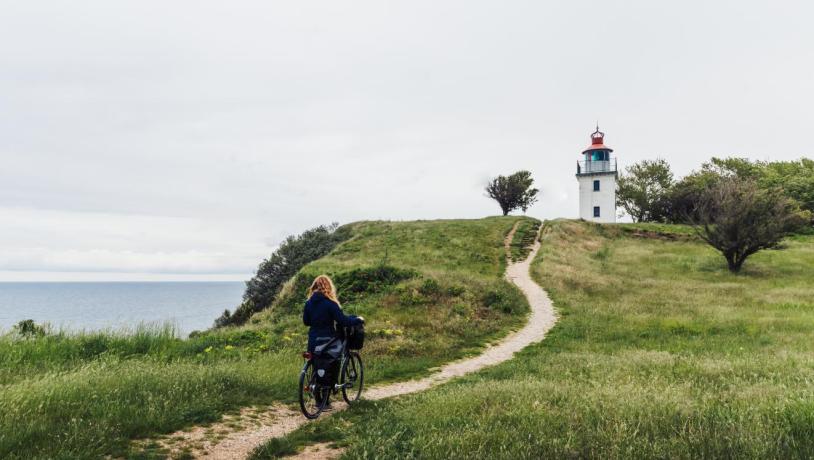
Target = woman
(322,311)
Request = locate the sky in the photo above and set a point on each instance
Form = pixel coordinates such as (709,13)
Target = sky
(146,140)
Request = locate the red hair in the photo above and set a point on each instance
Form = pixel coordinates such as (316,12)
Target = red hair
(324,286)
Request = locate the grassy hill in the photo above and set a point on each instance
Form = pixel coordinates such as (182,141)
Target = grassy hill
(659,352)
(432,291)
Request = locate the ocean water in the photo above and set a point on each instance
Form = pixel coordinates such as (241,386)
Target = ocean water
(117,305)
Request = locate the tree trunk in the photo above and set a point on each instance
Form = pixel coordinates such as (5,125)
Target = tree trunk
(739,263)
(734,262)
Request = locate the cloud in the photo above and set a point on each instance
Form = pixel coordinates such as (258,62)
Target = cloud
(35,240)
(192,137)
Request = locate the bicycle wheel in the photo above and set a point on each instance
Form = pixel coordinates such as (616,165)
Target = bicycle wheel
(312,396)
(352,377)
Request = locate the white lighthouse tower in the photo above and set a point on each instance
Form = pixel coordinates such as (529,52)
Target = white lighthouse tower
(596,173)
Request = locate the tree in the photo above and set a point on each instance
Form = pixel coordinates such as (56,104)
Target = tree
(739,218)
(795,178)
(513,192)
(293,254)
(684,196)
(643,191)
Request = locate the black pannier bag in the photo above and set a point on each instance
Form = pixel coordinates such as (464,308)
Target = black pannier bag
(326,359)
(356,337)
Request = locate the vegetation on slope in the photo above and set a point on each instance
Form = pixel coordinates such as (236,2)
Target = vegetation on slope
(659,351)
(293,254)
(523,239)
(431,291)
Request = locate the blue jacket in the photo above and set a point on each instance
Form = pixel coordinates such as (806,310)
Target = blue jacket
(321,313)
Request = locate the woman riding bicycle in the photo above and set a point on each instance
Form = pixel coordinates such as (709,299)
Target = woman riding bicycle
(322,313)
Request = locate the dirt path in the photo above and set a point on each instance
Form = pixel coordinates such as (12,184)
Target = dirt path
(239,444)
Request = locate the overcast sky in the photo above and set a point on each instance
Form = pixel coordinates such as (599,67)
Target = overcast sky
(186,139)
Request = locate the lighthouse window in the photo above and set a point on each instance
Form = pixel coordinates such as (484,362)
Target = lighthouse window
(596,211)
(596,186)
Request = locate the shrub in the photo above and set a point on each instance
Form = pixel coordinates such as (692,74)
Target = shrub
(293,254)
(430,287)
(353,283)
(503,298)
(28,328)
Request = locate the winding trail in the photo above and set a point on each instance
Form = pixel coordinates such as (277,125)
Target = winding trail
(240,444)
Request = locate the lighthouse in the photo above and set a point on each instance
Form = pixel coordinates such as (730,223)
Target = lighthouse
(596,174)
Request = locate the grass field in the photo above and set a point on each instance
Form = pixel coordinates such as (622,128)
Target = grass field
(659,352)
(432,291)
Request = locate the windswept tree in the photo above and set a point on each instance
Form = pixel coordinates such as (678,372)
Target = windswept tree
(513,192)
(739,218)
(643,191)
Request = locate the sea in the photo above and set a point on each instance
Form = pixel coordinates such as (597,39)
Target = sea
(92,306)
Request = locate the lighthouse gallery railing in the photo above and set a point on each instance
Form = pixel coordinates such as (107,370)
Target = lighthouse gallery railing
(591,167)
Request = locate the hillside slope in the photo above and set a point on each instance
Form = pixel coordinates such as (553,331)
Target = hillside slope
(659,352)
(432,291)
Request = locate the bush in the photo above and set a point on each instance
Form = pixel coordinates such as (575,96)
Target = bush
(503,298)
(360,281)
(293,254)
(28,328)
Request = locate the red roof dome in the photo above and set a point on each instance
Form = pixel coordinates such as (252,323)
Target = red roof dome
(597,141)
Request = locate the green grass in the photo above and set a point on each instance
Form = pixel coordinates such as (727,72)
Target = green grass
(659,352)
(87,395)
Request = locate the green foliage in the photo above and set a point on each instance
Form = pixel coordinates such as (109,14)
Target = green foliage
(660,353)
(28,328)
(293,254)
(738,218)
(368,280)
(504,298)
(513,192)
(685,195)
(794,178)
(524,238)
(644,190)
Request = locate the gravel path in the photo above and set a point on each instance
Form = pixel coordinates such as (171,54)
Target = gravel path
(240,444)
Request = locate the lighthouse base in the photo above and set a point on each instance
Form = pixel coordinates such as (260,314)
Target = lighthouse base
(597,197)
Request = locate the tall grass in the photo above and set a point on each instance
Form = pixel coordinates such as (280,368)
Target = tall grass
(659,352)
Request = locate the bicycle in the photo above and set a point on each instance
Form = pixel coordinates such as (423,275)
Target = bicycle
(314,395)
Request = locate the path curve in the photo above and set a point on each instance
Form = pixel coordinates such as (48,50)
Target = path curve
(240,445)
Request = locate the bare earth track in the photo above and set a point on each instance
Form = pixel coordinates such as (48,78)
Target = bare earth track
(240,444)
